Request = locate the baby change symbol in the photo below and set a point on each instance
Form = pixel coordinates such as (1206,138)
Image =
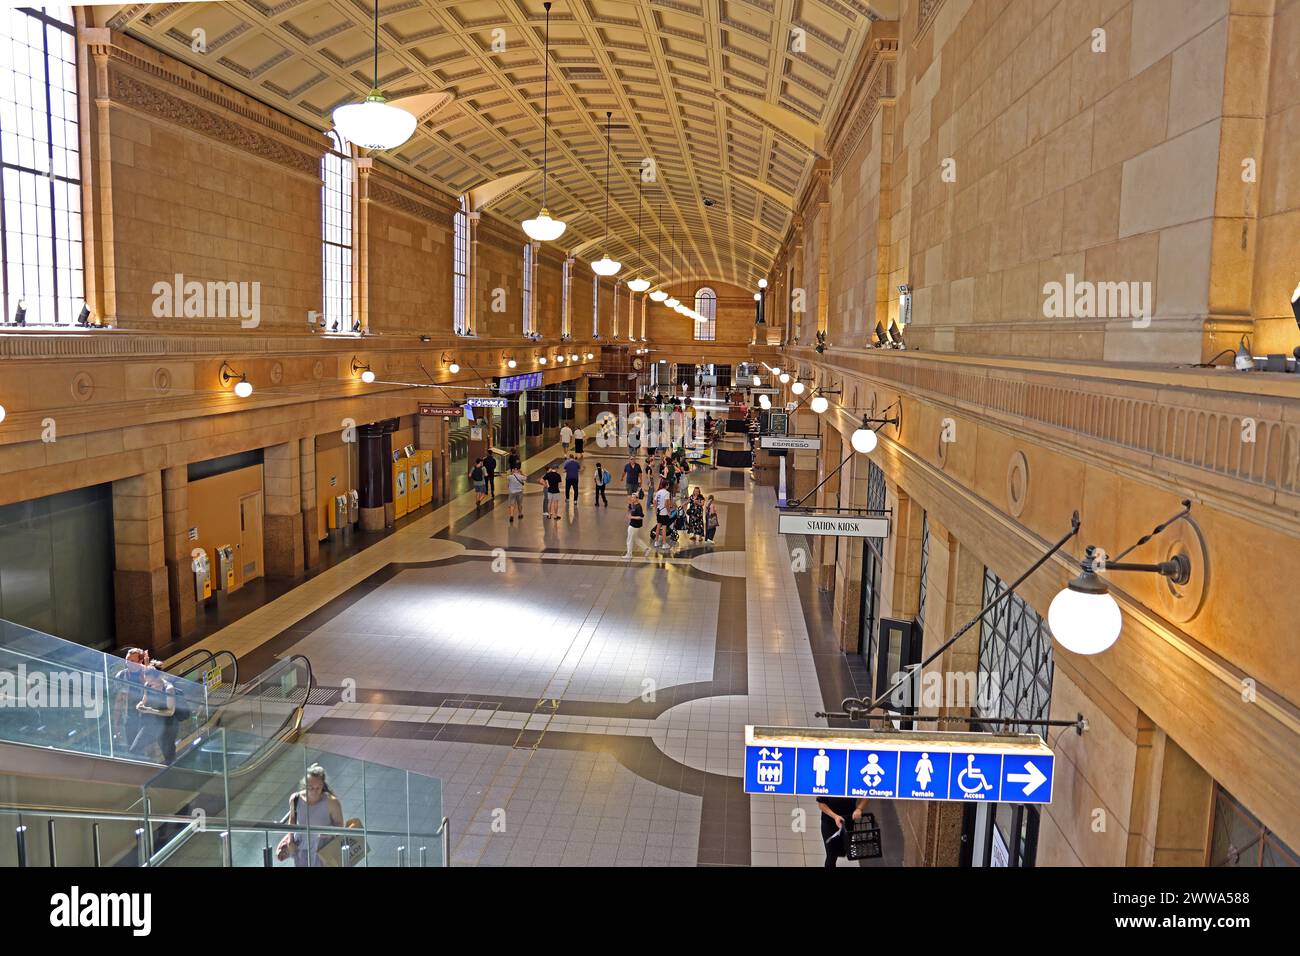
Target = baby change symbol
(873,773)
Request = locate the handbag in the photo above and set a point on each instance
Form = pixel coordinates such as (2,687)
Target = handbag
(864,838)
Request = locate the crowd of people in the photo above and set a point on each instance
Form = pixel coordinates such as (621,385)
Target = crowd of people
(657,488)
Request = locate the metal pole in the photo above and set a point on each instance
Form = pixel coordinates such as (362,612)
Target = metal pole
(445,829)
(54,850)
(401,856)
(21,834)
(1011,589)
(227,859)
(424,854)
(141,848)
(268,858)
(95,846)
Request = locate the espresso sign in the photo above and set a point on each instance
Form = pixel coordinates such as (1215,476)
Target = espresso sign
(442,411)
(795,442)
(835,526)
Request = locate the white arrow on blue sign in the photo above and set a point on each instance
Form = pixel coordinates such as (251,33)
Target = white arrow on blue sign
(904,765)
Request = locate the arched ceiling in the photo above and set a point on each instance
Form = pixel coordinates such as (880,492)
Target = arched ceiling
(724,96)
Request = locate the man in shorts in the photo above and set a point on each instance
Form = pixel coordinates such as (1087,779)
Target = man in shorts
(632,476)
(551,496)
(515,482)
(663,515)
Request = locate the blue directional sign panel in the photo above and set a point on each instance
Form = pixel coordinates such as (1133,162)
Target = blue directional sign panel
(519,383)
(907,765)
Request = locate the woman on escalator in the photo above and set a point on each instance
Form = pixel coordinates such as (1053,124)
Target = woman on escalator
(312,806)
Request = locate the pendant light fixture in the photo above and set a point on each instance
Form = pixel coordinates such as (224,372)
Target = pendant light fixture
(658,295)
(373,123)
(638,284)
(543,228)
(605,266)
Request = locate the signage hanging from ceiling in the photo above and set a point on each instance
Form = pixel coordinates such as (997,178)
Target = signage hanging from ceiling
(442,411)
(833,525)
(898,765)
(519,383)
(487,402)
(795,442)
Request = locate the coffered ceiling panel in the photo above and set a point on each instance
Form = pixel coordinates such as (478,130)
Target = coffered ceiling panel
(673,73)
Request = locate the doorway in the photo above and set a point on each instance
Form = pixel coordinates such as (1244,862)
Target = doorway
(248,562)
(1000,834)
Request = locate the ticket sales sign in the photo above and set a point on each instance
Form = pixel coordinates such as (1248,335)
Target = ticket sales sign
(903,765)
(442,411)
(833,525)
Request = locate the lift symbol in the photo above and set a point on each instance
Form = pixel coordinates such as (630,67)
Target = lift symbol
(770,771)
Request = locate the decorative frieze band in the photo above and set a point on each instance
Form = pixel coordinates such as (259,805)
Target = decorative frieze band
(126,90)
(1184,425)
(407,204)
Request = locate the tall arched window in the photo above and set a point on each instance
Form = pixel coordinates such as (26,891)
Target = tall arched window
(336,233)
(706,303)
(567,277)
(40,166)
(528,288)
(460,269)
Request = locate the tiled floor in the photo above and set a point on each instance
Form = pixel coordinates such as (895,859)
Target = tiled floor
(579,709)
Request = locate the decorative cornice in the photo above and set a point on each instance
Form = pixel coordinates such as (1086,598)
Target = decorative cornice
(126,90)
(118,48)
(403,203)
(925,16)
(878,87)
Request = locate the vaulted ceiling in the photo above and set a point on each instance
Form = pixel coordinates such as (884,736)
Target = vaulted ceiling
(728,98)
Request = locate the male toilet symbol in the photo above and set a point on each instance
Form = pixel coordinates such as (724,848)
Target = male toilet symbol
(821,764)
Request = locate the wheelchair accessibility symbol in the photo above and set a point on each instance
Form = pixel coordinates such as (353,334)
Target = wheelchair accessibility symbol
(972,781)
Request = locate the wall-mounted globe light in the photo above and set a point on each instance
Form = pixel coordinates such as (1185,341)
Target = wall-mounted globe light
(819,404)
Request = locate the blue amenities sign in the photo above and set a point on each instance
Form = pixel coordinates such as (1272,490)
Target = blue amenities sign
(486,402)
(906,765)
(519,383)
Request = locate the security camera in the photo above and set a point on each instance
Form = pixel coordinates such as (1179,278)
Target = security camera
(708,202)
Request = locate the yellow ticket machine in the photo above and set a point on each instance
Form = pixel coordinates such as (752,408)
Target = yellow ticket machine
(399,488)
(226,568)
(426,475)
(414,489)
(202,574)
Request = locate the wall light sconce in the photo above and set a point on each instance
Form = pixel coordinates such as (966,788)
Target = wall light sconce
(590,356)
(798,388)
(541,360)
(449,360)
(511,363)
(762,283)
(864,440)
(764,402)
(573,358)
(785,378)
(359,368)
(1084,617)
(243,388)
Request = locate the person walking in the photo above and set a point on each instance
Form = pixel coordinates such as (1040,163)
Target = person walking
(695,515)
(602,479)
(632,476)
(314,805)
(635,518)
(515,482)
(663,514)
(490,472)
(571,470)
(478,478)
(579,438)
(514,462)
(566,438)
(710,519)
(836,815)
(551,496)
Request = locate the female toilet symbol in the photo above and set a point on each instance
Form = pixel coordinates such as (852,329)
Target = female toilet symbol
(924,771)
(872,773)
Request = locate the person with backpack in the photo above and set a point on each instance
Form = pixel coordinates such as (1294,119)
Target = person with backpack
(602,479)
(478,478)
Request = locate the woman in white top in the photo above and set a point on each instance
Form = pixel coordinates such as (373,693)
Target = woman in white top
(314,806)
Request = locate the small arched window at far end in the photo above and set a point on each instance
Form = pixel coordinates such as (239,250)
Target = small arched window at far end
(706,304)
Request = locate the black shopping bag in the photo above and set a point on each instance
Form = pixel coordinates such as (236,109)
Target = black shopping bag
(864,838)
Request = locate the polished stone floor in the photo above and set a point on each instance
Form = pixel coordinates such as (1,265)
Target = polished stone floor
(579,709)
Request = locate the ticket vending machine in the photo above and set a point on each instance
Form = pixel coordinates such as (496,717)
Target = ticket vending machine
(340,526)
(426,475)
(415,486)
(202,574)
(399,489)
(354,506)
(226,568)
